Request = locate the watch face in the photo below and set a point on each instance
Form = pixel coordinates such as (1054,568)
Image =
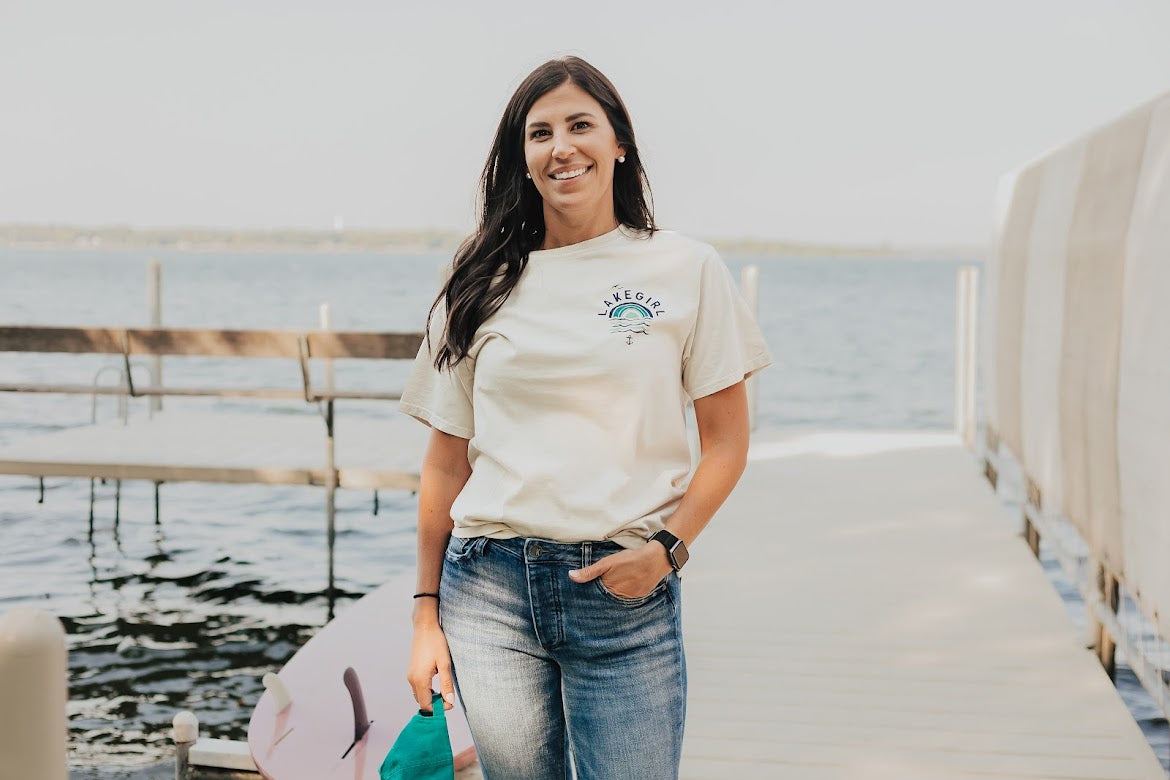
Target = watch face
(680,555)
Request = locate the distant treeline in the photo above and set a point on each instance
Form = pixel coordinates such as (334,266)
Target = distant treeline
(125,237)
(439,241)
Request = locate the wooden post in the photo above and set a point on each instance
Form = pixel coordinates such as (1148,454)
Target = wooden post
(1032,537)
(991,474)
(1031,533)
(330,495)
(1106,644)
(154,296)
(750,288)
(325,315)
(991,442)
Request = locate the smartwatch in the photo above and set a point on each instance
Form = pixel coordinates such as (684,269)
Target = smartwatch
(676,551)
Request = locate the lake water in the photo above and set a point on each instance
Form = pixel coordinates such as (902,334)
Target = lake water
(190,613)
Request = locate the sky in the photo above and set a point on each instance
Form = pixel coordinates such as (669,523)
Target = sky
(835,121)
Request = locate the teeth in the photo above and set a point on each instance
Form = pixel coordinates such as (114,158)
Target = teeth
(570,174)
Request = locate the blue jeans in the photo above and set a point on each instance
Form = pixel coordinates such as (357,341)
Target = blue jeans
(544,665)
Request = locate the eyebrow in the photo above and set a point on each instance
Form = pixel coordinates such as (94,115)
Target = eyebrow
(569,118)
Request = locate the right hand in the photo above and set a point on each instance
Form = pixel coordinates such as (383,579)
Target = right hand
(429,656)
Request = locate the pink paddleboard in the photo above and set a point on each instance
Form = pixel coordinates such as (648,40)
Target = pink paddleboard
(309,738)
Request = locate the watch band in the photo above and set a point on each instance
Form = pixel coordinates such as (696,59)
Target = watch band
(676,550)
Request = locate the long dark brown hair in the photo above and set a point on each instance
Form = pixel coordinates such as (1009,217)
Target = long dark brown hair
(490,261)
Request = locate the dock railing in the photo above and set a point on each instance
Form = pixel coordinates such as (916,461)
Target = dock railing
(1077,371)
(301,346)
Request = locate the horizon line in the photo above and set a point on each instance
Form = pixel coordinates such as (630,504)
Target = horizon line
(28,232)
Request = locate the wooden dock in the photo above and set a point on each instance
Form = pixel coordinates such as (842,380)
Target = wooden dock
(284,449)
(864,607)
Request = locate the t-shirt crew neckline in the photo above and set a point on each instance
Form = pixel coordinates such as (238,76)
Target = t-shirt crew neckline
(615,236)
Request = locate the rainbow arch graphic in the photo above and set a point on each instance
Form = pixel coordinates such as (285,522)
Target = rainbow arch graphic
(630,311)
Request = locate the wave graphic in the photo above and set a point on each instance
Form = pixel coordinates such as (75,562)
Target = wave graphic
(630,325)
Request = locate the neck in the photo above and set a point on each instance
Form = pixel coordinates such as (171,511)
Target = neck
(563,229)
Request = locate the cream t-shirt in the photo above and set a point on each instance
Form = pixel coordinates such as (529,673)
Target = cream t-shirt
(573,395)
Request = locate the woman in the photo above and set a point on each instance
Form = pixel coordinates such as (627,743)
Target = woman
(554,507)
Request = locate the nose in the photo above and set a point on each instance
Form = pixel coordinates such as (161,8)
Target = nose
(563,147)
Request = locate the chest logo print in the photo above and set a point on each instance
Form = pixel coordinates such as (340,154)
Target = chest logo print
(630,311)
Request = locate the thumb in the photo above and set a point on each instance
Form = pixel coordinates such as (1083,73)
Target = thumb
(446,686)
(590,572)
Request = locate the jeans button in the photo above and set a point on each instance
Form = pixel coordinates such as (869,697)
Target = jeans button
(535,551)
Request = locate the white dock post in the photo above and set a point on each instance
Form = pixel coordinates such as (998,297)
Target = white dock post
(185,734)
(33,678)
(750,288)
(154,295)
(325,315)
(966,292)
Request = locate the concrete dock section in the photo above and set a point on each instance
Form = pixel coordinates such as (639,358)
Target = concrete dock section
(863,606)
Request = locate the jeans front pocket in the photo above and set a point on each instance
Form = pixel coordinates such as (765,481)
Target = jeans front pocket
(460,549)
(658,590)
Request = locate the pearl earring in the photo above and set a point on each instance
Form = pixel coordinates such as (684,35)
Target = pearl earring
(527,175)
(622,158)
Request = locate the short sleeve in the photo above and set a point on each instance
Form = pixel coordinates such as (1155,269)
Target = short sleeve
(441,399)
(725,345)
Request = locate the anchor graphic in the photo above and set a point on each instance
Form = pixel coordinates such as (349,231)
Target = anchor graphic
(629,339)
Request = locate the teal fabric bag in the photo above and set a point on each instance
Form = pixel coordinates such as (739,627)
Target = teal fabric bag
(423,749)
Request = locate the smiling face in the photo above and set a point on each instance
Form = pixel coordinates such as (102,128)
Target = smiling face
(570,150)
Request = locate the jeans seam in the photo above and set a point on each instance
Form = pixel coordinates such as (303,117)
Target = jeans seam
(560,616)
(680,663)
(507,551)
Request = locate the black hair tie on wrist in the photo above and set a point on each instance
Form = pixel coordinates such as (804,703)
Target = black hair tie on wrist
(434,596)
